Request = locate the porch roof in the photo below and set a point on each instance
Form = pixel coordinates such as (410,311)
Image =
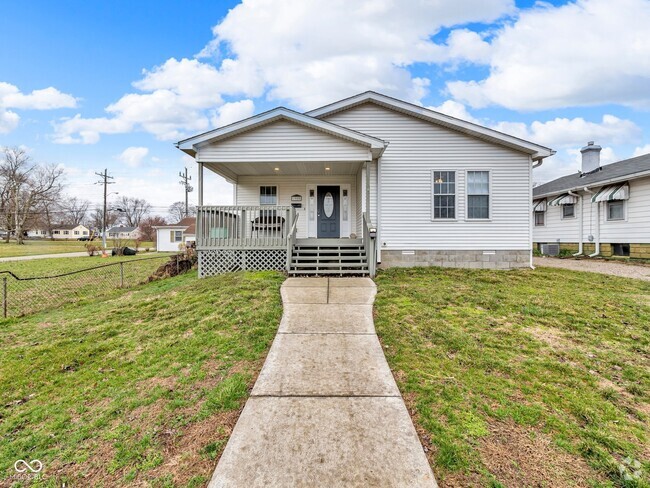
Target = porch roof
(191,145)
(230,171)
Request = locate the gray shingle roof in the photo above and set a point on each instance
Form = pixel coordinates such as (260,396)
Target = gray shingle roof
(627,168)
(121,229)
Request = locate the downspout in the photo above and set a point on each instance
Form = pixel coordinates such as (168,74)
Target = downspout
(597,247)
(536,164)
(580,231)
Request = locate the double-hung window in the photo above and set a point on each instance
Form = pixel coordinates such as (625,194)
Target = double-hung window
(268,196)
(176,236)
(444,195)
(616,210)
(539,218)
(568,211)
(478,194)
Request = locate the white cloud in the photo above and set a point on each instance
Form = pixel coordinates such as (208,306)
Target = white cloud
(12,98)
(290,45)
(133,156)
(563,132)
(8,121)
(232,112)
(455,109)
(286,50)
(583,53)
(641,151)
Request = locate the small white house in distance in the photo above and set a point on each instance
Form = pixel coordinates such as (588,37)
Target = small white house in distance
(122,232)
(600,210)
(363,181)
(38,233)
(73,231)
(169,238)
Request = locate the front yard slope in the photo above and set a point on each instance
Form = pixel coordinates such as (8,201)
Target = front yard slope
(522,378)
(140,389)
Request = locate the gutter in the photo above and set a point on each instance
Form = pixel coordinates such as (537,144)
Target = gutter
(618,179)
(580,231)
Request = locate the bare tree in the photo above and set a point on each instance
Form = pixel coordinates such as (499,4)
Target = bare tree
(147,224)
(27,186)
(177,211)
(75,211)
(133,210)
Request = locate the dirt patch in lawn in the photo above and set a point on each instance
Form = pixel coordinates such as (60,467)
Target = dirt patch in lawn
(551,338)
(519,456)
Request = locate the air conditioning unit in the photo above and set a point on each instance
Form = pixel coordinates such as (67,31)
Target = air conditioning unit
(550,249)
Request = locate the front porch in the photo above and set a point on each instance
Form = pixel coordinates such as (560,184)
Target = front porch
(264,237)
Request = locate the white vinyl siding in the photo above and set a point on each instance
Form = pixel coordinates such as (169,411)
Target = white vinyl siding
(416,147)
(283,141)
(248,193)
(634,228)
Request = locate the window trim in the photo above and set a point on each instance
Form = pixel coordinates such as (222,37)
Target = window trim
(433,204)
(622,219)
(535,224)
(574,211)
(467,195)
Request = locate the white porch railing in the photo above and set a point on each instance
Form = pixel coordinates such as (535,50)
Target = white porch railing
(370,245)
(245,227)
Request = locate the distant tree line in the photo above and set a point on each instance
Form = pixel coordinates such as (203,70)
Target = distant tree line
(32,197)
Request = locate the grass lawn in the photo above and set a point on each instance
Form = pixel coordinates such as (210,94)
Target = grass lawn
(31,296)
(522,378)
(45,246)
(142,388)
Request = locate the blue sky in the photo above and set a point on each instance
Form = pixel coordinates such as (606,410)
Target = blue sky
(91,85)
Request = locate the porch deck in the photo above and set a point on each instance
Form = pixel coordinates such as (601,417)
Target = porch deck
(236,237)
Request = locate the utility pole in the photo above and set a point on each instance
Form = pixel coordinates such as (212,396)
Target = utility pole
(104,176)
(185,181)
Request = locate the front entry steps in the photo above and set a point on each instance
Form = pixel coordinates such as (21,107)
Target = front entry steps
(329,257)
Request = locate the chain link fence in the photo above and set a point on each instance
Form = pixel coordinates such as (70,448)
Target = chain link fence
(30,294)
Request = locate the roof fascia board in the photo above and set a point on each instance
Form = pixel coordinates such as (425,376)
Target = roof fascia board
(535,150)
(609,181)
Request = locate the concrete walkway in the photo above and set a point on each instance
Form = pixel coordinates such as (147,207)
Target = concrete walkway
(325,410)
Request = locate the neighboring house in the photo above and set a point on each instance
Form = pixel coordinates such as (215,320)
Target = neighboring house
(171,237)
(38,233)
(122,232)
(600,210)
(73,231)
(366,180)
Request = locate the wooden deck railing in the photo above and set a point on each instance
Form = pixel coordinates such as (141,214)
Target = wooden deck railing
(245,227)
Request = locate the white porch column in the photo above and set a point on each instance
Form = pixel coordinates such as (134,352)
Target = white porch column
(368,183)
(200,184)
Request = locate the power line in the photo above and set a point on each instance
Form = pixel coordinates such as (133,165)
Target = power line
(104,176)
(185,179)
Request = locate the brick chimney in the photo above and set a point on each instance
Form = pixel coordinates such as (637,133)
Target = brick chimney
(590,157)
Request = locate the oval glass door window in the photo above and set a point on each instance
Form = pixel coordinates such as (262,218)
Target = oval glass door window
(328,204)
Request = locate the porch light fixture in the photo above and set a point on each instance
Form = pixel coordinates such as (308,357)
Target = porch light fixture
(276,169)
(327,168)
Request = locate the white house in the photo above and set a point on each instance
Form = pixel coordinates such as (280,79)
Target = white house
(601,210)
(73,231)
(38,233)
(171,237)
(364,181)
(123,232)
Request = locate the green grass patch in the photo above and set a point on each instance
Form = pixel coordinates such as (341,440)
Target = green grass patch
(44,246)
(141,387)
(496,365)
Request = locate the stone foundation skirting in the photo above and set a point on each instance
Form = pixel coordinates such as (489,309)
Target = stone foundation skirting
(217,261)
(457,259)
